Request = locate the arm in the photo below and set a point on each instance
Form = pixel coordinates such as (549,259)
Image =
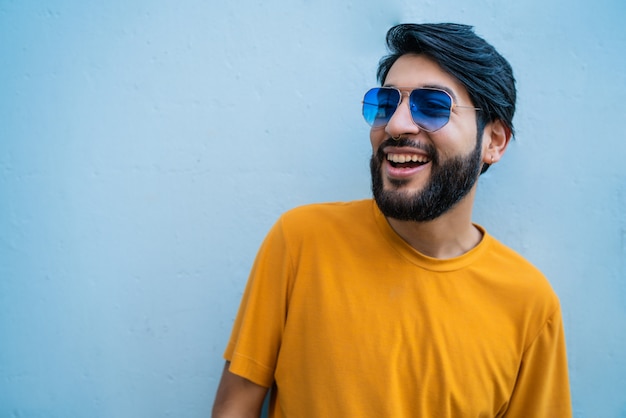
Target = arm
(237,397)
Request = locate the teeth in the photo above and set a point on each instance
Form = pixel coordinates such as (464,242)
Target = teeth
(407,158)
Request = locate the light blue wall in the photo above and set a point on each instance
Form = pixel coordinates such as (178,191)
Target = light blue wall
(147,146)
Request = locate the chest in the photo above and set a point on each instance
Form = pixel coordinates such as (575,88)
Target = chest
(402,333)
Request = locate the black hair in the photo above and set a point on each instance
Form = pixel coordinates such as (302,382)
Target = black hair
(486,75)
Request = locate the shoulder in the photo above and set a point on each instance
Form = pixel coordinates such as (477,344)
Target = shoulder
(503,256)
(324,224)
(331,208)
(521,276)
(326,214)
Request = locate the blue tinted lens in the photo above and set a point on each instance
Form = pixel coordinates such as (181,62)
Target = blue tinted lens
(379,104)
(430,109)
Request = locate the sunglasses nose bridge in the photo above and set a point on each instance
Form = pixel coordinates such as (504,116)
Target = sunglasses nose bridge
(401,121)
(403,94)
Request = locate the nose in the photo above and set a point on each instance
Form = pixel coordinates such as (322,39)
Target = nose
(401,123)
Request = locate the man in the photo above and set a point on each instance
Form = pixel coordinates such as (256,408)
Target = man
(401,306)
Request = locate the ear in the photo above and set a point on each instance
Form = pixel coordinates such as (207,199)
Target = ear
(496,138)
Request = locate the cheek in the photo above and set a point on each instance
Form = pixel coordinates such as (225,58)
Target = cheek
(457,140)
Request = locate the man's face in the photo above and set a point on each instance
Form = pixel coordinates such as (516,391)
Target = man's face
(424,174)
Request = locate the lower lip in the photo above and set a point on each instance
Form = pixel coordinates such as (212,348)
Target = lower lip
(403,173)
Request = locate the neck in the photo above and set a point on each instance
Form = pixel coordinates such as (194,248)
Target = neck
(450,235)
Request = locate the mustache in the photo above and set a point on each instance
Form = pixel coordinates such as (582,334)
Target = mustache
(429,149)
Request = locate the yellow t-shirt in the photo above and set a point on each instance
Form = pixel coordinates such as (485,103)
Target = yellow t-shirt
(344,319)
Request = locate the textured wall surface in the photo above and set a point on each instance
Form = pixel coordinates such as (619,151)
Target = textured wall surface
(147,146)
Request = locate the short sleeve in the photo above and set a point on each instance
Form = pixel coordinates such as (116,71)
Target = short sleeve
(542,386)
(258,328)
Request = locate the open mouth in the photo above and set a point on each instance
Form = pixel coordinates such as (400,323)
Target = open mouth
(407,160)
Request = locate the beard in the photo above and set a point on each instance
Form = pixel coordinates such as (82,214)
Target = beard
(450,181)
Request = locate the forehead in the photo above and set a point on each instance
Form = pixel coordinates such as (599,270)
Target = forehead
(413,71)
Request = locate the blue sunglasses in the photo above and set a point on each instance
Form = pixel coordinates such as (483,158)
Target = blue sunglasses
(430,108)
